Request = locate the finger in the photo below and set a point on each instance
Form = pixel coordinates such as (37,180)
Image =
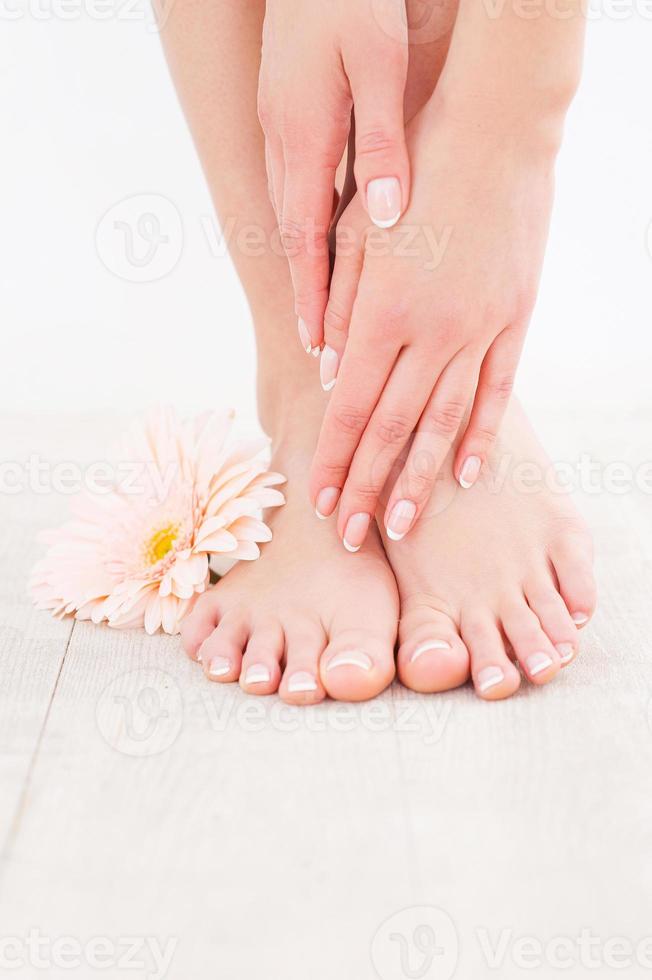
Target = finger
(349,260)
(382,166)
(388,431)
(275,173)
(361,379)
(304,223)
(492,396)
(435,434)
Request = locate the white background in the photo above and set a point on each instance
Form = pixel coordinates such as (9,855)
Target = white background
(89,118)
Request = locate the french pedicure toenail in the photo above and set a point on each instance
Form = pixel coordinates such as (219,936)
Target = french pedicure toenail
(356,531)
(400,519)
(304,336)
(384,201)
(257,674)
(537,662)
(327,502)
(489,677)
(350,658)
(301,682)
(429,645)
(566,652)
(579,618)
(328,366)
(470,471)
(219,666)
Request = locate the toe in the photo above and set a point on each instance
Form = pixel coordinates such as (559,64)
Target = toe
(532,648)
(555,619)
(304,645)
(494,675)
(357,664)
(572,559)
(261,670)
(200,624)
(432,656)
(221,652)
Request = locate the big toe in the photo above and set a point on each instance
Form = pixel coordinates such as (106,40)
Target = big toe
(432,656)
(357,664)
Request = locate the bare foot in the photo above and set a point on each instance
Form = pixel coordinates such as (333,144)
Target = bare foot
(489,572)
(307,618)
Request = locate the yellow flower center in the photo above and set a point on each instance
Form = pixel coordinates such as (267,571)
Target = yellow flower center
(160,544)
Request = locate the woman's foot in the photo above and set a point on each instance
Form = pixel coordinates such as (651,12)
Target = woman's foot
(307,618)
(491,575)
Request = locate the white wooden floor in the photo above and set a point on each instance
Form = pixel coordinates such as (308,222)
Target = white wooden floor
(141,807)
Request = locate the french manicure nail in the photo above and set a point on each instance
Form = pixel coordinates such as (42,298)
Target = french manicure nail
(470,471)
(257,674)
(326,502)
(489,677)
(537,662)
(400,519)
(350,658)
(356,531)
(566,652)
(302,681)
(316,351)
(384,201)
(328,366)
(304,336)
(429,645)
(219,666)
(580,618)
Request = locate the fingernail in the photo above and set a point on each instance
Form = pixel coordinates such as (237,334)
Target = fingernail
(537,662)
(429,645)
(302,681)
(579,618)
(489,677)
(356,531)
(400,519)
(384,201)
(316,351)
(328,366)
(566,652)
(219,666)
(470,471)
(350,658)
(304,336)
(326,502)
(257,674)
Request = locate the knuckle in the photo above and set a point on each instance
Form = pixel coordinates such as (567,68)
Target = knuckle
(371,142)
(500,387)
(392,429)
(334,320)
(445,419)
(366,494)
(349,420)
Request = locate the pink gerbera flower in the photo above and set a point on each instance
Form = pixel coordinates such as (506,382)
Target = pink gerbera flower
(139,554)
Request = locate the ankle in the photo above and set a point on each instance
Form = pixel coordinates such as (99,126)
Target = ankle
(291,402)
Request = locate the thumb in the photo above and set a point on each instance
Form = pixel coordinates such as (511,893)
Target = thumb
(382,165)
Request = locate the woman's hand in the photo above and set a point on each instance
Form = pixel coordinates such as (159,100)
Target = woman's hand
(433,315)
(320,60)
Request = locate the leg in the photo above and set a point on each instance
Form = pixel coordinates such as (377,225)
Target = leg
(306,618)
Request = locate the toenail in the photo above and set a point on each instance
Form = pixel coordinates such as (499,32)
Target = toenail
(219,666)
(350,658)
(302,681)
(489,677)
(326,502)
(356,531)
(579,618)
(429,645)
(257,674)
(470,471)
(400,519)
(566,652)
(198,657)
(537,662)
